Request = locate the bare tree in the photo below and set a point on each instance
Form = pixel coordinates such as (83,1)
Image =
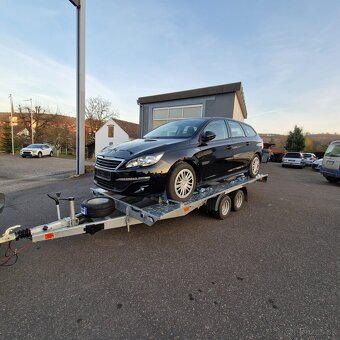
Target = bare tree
(41,121)
(98,110)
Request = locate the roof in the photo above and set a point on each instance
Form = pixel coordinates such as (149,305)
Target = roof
(201,92)
(132,129)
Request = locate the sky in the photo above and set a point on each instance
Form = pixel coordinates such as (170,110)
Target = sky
(285,53)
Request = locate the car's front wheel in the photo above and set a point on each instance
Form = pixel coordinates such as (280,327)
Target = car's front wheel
(39,154)
(254,166)
(182,182)
(51,153)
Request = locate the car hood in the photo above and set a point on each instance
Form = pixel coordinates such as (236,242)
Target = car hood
(30,149)
(139,147)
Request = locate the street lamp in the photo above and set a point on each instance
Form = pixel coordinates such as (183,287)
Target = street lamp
(80,152)
(30,100)
(12,112)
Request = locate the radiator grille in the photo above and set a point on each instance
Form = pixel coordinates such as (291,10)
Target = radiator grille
(108,163)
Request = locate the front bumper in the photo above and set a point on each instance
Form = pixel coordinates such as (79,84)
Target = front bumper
(28,154)
(141,181)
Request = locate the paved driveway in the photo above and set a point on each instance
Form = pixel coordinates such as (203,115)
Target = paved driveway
(17,173)
(269,271)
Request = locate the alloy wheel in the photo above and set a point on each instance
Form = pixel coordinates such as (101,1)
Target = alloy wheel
(184,183)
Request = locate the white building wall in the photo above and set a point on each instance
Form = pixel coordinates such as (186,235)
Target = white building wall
(238,115)
(102,139)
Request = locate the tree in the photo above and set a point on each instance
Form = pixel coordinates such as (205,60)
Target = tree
(295,140)
(6,139)
(41,121)
(98,110)
(309,144)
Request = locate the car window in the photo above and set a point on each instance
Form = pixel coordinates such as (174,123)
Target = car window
(219,128)
(236,129)
(333,150)
(292,155)
(177,129)
(250,132)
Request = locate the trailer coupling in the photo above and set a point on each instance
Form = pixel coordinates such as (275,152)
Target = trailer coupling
(14,233)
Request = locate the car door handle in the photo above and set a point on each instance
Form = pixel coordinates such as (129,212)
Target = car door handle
(229,147)
(247,143)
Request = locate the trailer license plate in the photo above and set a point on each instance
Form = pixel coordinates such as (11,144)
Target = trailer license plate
(106,175)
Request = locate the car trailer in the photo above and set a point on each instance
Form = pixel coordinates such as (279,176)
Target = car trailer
(100,212)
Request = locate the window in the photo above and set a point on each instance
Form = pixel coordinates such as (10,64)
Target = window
(167,114)
(250,132)
(236,129)
(110,131)
(219,128)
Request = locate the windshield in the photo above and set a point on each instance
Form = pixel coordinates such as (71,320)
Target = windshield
(34,146)
(307,155)
(178,129)
(333,150)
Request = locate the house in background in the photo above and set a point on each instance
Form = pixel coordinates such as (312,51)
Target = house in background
(216,101)
(114,132)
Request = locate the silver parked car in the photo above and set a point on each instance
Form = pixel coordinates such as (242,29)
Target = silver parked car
(309,158)
(330,167)
(36,150)
(293,159)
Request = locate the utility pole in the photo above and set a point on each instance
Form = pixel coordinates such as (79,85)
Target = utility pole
(12,112)
(30,100)
(80,5)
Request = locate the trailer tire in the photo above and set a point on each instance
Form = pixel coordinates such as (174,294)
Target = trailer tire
(237,199)
(224,208)
(97,207)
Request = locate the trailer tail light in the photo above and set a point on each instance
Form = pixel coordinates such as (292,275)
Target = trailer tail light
(49,236)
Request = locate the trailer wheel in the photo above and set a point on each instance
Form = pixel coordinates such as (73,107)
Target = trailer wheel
(97,207)
(224,208)
(237,200)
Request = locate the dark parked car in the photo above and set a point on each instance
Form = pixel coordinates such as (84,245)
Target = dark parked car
(178,156)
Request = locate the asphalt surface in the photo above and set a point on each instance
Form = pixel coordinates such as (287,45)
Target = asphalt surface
(269,271)
(17,173)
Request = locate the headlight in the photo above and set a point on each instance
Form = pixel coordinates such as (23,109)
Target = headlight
(144,160)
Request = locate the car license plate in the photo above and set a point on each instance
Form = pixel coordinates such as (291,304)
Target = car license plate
(330,162)
(106,175)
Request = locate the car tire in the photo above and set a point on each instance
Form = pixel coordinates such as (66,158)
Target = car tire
(237,199)
(181,182)
(51,153)
(332,179)
(254,166)
(39,154)
(224,208)
(283,165)
(97,207)
(23,156)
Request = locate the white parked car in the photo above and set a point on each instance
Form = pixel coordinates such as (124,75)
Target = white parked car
(293,159)
(309,158)
(317,164)
(36,150)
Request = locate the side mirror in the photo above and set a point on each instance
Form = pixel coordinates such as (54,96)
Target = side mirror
(207,136)
(2,201)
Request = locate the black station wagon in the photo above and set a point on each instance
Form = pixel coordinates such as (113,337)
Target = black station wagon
(178,156)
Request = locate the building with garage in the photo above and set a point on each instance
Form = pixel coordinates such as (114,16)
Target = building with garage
(114,132)
(216,101)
